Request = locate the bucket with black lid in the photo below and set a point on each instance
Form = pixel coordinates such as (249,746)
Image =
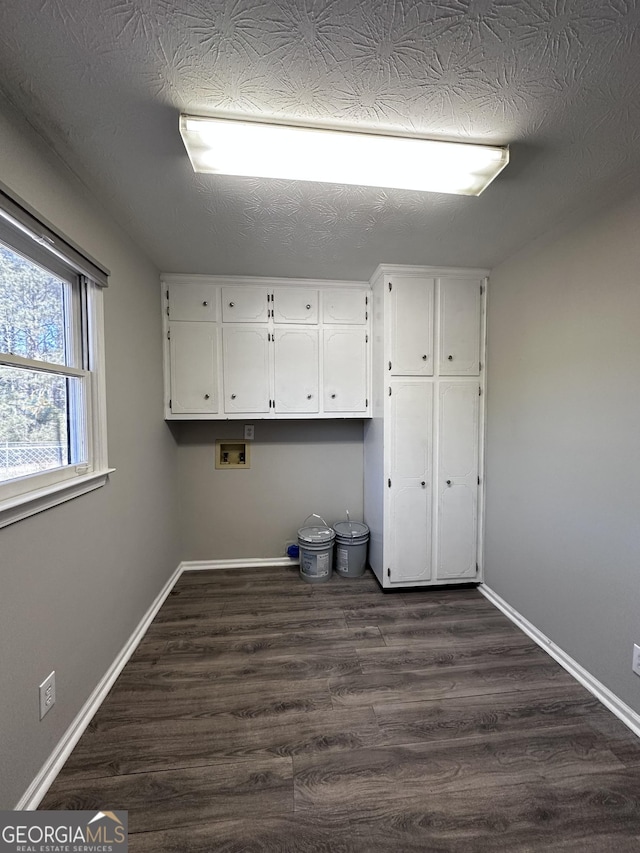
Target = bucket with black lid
(352,538)
(316,550)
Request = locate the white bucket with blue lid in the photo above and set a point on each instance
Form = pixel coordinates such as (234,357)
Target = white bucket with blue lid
(316,551)
(352,538)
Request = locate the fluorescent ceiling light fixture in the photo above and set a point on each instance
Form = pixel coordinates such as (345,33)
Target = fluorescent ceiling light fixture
(222,146)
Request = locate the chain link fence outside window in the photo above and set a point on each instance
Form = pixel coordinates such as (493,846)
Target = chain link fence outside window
(20,460)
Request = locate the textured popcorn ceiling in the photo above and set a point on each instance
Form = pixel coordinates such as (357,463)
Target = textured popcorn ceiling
(105,81)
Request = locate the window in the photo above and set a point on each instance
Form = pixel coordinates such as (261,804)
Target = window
(52,434)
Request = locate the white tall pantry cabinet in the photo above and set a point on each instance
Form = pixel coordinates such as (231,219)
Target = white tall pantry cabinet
(423,444)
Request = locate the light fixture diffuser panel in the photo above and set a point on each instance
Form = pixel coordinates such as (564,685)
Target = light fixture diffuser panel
(223,146)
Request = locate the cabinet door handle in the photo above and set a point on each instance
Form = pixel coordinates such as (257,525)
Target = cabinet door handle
(423,483)
(448,482)
(450,357)
(308,307)
(233,396)
(424,357)
(333,396)
(231,304)
(308,396)
(205,303)
(206,396)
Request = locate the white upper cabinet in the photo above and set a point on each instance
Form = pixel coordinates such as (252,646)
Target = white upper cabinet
(345,370)
(245,365)
(344,306)
(265,348)
(296,353)
(193,349)
(459,351)
(193,302)
(411,306)
(295,305)
(245,304)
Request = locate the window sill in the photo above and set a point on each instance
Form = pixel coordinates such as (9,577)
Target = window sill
(22,506)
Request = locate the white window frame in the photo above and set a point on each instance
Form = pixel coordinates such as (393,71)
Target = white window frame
(84,325)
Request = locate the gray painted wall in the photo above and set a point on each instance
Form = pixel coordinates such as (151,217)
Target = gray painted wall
(297,467)
(76,580)
(563,442)
(562,532)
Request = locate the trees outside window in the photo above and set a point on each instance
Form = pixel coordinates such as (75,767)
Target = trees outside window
(34,406)
(52,400)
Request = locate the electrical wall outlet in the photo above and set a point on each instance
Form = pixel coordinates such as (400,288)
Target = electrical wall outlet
(47,694)
(635,666)
(249,432)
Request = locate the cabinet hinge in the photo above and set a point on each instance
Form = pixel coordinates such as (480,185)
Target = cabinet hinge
(388,573)
(167,294)
(478,480)
(169,334)
(389,390)
(481,290)
(167,310)
(389,365)
(480,366)
(390,287)
(366,403)
(366,315)
(366,300)
(479,391)
(477,568)
(268,297)
(389,482)
(366,339)
(169,403)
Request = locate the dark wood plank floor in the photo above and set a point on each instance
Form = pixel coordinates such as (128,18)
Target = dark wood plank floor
(260,713)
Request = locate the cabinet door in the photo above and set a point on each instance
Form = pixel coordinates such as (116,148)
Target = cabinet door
(409,534)
(459,327)
(245,369)
(192,302)
(459,407)
(295,305)
(410,472)
(345,370)
(344,306)
(193,359)
(296,370)
(411,326)
(245,304)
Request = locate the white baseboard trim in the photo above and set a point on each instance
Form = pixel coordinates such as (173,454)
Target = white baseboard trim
(254,563)
(38,788)
(622,711)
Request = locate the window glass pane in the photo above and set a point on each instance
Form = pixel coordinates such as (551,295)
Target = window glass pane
(32,310)
(35,430)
